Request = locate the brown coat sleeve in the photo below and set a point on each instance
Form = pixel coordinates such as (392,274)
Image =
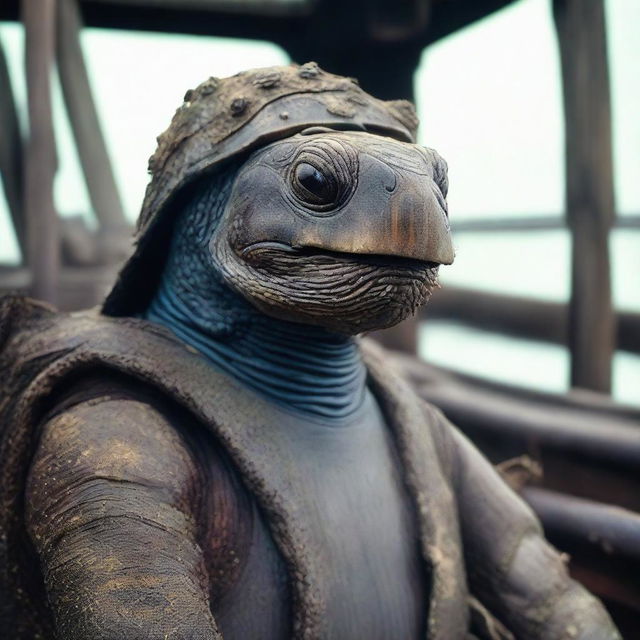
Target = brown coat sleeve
(109,513)
(511,568)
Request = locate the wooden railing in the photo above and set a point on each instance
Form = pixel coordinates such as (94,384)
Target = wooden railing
(520,316)
(531,223)
(589,451)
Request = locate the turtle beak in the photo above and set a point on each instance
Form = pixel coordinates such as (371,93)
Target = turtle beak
(392,213)
(395,207)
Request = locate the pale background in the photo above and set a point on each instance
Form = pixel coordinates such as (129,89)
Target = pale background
(489,98)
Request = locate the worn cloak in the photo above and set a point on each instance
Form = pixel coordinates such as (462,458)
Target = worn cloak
(42,350)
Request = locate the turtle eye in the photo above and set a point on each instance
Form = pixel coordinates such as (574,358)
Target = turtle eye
(323,175)
(314,186)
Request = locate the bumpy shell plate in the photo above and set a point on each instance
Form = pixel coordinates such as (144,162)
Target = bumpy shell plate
(222,119)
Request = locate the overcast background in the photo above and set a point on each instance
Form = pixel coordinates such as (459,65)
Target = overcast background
(489,99)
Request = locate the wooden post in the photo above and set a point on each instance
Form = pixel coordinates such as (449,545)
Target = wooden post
(43,247)
(85,124)
(11,153)
(391,80)
(397,20)
(404,336)
(379,43)
(386,71)
(581,33)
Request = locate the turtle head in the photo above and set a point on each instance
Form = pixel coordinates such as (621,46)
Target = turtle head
(335,218)
(341,229)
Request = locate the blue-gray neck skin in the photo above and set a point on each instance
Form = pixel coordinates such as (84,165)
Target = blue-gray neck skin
(301,367)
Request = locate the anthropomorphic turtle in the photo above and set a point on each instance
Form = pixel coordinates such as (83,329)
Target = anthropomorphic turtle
(214,454)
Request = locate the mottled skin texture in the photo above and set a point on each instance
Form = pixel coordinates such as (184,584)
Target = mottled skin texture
(169,524)
(106,476)
(144,521)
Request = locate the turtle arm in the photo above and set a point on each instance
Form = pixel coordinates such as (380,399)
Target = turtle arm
(511,567)
(109,512)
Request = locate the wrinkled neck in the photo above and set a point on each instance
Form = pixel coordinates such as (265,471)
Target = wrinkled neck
(300,367)
(304,368)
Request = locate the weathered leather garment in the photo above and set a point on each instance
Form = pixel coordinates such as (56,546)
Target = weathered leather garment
(462,513)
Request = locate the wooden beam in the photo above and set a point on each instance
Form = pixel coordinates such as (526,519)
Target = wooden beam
(84,120)
(530,223)
(603,544)
(11,161)
(338,40)
(586,444)
(384,69)
(403,337)
(521,317)
(589,187)
(449,16)
(589,450)
(43,250)
(396,20)
(273,21)
(611,531)
(388,75)
(77,287)
(248,7)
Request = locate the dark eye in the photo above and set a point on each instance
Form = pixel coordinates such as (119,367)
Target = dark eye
(323,175)
(314,187)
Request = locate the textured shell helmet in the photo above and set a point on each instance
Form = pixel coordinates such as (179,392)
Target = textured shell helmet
(227,118)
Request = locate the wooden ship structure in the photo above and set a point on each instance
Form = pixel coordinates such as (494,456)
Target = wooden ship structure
(588,447)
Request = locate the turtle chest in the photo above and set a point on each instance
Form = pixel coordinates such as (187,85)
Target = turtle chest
(361,533)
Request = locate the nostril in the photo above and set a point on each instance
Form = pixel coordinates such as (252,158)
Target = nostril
(390,183)
(380,173)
